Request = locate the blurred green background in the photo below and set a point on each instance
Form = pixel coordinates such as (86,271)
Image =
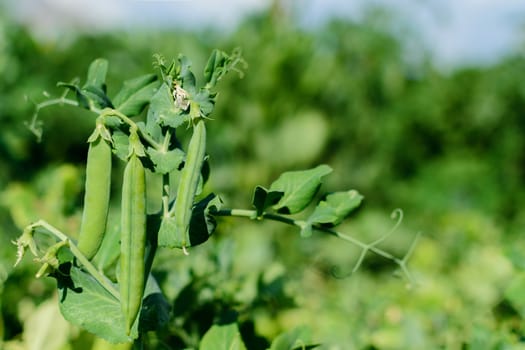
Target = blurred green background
(447,147)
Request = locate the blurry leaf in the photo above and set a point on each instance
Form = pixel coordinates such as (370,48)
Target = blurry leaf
(219,64)
(294,339)
(135,94)
(85,303)
(96,76)
(162,110)
(299,188)
(515,294)
(166,162)
(45,329)
(262,199)
(335,207)
(222,337)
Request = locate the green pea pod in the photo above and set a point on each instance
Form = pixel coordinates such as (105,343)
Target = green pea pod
(132,240)
(186,190)
(96,198)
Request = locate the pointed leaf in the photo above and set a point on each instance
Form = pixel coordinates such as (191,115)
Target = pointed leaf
(136,94)
(299,188)
(85,303)
(262,199)
(336,207)
(166,162)
(222,337)
(96,76)
(162,109)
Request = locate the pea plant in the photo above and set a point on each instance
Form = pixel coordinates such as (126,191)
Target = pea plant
(105,277)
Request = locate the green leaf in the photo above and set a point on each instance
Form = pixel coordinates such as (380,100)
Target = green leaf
(85,303)
(299,188)
(155,310)
(214,67)
(96,76)
(295,339)
(262,199)
(121,144)
(136,94)
(202,225)
(222,337)
(162,110)
(97,97)
(166,162)
(219,64)
(205,102)
(336,207)
(185,75)
(82,99)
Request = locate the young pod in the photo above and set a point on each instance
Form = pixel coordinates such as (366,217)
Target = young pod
(132,240)
(96,198)
(189,182)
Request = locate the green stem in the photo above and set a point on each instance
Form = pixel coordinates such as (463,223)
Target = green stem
(252,214)
(113,112)
(91,269)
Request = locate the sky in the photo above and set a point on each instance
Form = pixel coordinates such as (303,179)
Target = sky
(457,32)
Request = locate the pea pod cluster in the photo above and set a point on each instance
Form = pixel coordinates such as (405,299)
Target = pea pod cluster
(133,240)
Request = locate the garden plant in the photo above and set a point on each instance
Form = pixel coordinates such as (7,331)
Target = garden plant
(105,273)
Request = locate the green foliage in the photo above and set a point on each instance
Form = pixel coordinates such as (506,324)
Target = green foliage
(447,148)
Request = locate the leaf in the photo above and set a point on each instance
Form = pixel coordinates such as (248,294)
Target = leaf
(162,110)
(295,339)
(262,199)
(205,102)
(155,311)
(166,162)
(121,144)
(97,97)
(135,94)
(202,225)
(213,69)
(336,207)
(85,303)
(219,64)
(82,99)
(299,188)
(96,76)
(222,337)
(187,78)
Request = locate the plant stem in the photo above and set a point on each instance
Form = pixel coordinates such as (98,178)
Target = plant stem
(252,214)
(113,112)
(103,280)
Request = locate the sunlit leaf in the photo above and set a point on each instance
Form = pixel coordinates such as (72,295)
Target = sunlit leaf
(299,188)
(166,162)
(336,207)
